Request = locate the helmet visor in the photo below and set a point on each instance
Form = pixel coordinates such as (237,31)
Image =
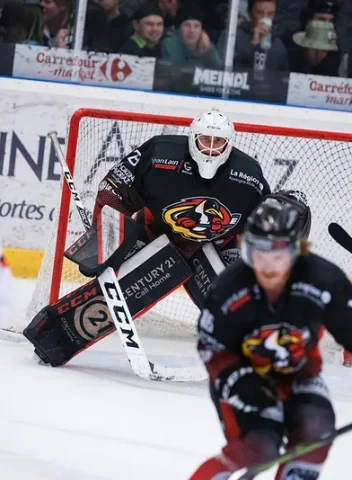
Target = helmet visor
(268,254)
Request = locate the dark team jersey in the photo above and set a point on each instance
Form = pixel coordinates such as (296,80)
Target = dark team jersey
(317,296)
(161,178)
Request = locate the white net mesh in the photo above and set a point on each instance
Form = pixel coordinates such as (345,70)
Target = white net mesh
(321,168)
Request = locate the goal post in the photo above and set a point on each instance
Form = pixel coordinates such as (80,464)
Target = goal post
(317,162)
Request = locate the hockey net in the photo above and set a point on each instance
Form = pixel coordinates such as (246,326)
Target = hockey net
(315,162)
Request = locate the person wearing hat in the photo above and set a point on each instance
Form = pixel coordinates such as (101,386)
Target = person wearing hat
(190,44)
(318,49)
(328,64)
(148,26)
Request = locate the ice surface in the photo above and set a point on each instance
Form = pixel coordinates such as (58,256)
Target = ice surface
(94,420)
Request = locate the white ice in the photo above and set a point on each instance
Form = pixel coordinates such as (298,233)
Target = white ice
(94,420)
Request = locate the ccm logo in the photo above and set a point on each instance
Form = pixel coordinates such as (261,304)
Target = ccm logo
(120,315)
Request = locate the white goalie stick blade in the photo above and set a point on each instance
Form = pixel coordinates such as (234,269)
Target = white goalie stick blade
(131,342)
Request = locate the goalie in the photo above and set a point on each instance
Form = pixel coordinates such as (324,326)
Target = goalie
(195,194)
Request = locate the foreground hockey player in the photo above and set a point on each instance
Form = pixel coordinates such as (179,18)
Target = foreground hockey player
(258,337)
(196,190)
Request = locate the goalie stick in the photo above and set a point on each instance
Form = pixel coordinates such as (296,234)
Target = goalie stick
(340,236)
(69,180)
(119,310)
(246,473)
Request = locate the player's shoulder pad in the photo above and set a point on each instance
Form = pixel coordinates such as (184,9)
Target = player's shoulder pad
(170,139)
(321,270)
(233,278)
(243,160)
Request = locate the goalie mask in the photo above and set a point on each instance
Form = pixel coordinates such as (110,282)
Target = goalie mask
(210,142)
(273,226)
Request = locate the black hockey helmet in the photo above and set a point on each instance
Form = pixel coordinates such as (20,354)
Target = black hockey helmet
(272,226)
(297,199)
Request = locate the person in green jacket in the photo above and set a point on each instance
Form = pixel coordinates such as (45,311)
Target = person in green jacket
(148,25)
(190,44)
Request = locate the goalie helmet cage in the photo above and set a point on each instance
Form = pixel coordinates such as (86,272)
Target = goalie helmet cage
(315,162)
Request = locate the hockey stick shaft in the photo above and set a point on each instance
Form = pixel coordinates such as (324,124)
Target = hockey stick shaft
(340,236)
(69,180)
(246,473)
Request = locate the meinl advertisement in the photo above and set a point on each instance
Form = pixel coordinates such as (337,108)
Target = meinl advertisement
(334,93)
(62,65)
(249,84)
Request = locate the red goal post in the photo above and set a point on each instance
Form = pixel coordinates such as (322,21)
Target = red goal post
(316,162)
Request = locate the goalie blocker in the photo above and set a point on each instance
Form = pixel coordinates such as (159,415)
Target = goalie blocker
(81,318)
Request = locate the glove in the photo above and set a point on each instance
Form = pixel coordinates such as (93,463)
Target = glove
(280,349)
(246,391)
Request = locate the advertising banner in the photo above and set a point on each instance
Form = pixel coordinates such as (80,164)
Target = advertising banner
(257,85)
(86,68)
(29,173)
(319,91)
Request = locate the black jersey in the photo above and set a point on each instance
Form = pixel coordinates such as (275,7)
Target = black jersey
(317,295)
(162,178)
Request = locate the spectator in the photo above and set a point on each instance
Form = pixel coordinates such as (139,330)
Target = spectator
(190,45)
(128,7)
(343,25)
(215,14)
(322,10)
(24,24)
(318,39)
(169,10)
(148,25)
(57,22)
(329,61)
(242,12)
(107,28)
(256,46)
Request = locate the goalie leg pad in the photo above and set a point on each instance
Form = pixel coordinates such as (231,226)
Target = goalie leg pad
(76,321)
(81,318)
(206,265)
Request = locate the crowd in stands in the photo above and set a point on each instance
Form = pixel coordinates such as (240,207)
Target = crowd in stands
(304,36)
